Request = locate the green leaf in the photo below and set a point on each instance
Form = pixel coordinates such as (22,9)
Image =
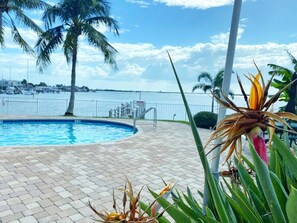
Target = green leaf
(193,204)
(272,159)
(246,179)
(209,213)
(178,215)
(260,206)
(280,191)
(243,205)
(249,163)
(220,204)
(290,160)
(291,205)
(209,218)
(188,210)
(265,181)
(147,210)
(236,207)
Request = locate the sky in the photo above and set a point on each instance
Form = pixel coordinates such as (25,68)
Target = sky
(194,32)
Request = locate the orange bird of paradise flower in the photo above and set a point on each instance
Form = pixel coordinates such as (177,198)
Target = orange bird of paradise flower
(251,120)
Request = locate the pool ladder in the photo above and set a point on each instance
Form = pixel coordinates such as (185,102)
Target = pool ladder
(142,116)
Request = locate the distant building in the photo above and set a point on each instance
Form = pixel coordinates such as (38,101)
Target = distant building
(9,83)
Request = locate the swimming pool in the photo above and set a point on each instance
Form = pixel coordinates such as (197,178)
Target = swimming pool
(60,132)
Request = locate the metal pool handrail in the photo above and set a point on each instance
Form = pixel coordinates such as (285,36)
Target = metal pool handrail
(142,116)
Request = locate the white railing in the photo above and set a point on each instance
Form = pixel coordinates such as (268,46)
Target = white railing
(143,115)
(87,108)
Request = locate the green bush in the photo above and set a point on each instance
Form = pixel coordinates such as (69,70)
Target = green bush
(205,119)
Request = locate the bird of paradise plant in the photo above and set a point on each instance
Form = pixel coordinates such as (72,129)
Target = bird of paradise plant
(126,215)
(164,193)
(252,120)
(134,213)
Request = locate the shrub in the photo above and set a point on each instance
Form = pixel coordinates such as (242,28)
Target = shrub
(205,119)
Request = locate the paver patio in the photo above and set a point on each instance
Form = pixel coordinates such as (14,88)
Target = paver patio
(54,183)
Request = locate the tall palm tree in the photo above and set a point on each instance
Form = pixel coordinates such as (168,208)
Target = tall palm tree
(75,18)
(213,84)
(287,76)
(11,12)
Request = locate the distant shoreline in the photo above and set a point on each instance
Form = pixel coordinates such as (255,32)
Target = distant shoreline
(138,91)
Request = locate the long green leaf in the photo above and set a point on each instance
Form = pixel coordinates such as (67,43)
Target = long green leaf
(272,159)
(290,160)
(278,166)
(265,181)
(249,163)
(206,218)
(146,208)
(260,206)
(291,206)
(244,206)
(280,191)
(246,179)
(188,210)
(221,208)
(178,215)
(193,200)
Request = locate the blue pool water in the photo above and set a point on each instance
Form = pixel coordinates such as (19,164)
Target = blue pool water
(60,132)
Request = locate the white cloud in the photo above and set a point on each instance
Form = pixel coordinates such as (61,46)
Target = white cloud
(141,3)
(131,70)
(200,4)
(143,66)
(220,38)
(223,37)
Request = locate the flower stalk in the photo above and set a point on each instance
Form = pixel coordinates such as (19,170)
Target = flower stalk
(258,140)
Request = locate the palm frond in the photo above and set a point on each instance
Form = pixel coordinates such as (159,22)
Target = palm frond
(69,45)
(25,20)
(17,38)
(293,59)
(107,21)
(98,40)
(205,76)
(31,4)
(46,44)
(274,98)
(218,79)
(202,86)
(1,31)
(16,8)
(278,70)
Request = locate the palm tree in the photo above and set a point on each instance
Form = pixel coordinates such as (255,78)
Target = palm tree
(11,11)
(212,84)
(287,76)
(75,18)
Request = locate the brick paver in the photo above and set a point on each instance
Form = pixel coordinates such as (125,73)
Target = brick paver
(54,183)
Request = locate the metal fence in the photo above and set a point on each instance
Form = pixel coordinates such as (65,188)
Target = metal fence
(88,108)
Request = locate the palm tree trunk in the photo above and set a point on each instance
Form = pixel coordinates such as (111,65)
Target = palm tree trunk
(1,23)
(212,104)
(1,27)
(70,108)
